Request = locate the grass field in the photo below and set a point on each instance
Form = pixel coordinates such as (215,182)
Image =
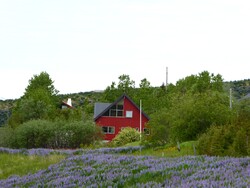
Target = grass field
(186,148)
(18,164)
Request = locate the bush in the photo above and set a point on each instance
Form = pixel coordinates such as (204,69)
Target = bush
(5,136)
(62,134)
(225,141)
(127,135)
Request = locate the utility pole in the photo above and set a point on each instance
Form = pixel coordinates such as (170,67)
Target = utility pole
(230,98)
(166,77)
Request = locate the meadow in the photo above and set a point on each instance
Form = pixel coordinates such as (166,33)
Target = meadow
(126,167)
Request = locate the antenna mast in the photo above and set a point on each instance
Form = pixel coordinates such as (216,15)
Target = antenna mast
(230,98)
(166,77)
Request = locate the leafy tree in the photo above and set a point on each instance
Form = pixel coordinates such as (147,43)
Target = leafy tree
(111,93)
(38,102)
(194,114)
(160,128)
(41,81)
(191,107)
(200,83)
(125,85)
(230,139)
(145,84)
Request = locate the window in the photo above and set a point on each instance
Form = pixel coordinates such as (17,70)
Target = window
(129,114)
(116,110)
(108,130)
(146,131)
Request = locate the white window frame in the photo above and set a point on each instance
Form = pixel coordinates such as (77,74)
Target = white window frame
(129,114)
(109,129)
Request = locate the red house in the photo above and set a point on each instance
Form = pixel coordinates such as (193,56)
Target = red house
(118,115)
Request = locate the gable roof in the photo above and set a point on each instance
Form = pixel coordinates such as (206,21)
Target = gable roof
(109,105)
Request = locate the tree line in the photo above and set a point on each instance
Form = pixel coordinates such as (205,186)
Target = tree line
(195,108)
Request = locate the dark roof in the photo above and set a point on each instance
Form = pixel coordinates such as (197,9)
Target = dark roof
(112,104)
(99,108)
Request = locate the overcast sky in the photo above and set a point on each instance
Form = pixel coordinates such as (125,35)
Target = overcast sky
(84,45)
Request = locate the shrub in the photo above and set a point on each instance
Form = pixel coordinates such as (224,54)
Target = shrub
(5,136)
(224,140)
(60,134)
(127,135)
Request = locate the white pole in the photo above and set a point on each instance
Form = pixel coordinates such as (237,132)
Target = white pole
(140,125)
(166,77)
(230,98)
(140,121)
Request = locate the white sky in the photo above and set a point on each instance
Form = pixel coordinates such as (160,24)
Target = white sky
(84,45)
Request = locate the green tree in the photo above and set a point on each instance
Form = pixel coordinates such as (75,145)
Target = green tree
(191,107)
(145,84)
(39,101)
(159,126)
(192,115)
(125,85)
(41,81)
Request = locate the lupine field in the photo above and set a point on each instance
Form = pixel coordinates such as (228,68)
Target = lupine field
(117,167)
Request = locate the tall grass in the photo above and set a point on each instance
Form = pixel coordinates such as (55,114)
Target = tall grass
(18,164)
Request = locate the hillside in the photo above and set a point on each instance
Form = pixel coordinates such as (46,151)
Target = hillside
(240,89)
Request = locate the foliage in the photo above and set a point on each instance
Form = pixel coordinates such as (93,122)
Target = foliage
(196,113)
(153,98)
(224,141)
(177,112)
(39,101)
(126,135)
(5,136)
(4,116)
(194,104)
(99,169)
(125,85)
(240,88)
(230,140)
(69,114)
(160,129)
(84,101)
(60,134)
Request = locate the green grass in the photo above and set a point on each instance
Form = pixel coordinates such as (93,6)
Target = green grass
(17,164)
(186,148)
